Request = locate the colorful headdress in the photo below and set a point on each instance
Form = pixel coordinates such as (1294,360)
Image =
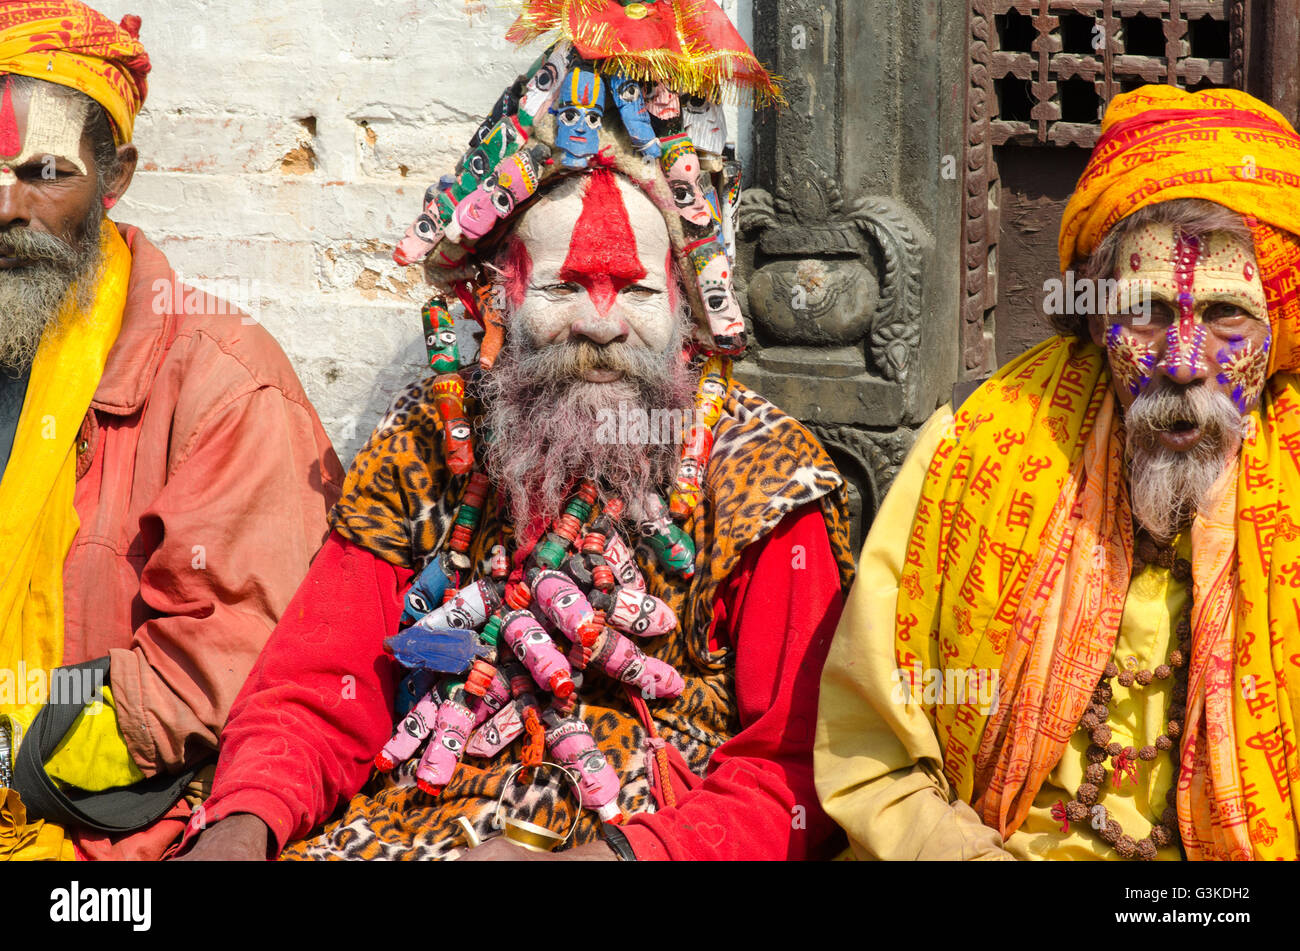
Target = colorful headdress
(1159,143)
(67,43)
(622,87)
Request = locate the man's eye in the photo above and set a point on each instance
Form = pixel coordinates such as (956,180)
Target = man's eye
(1225,312)
(640,291)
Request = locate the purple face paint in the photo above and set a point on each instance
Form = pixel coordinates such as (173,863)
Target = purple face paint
(1131,360)
(1244,367)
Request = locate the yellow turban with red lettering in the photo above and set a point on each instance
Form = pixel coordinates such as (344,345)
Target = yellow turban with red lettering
(68,43)
(1159,143)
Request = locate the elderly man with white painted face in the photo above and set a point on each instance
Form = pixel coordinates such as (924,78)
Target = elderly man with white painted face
(578,591)
(1076,630)
(165,481)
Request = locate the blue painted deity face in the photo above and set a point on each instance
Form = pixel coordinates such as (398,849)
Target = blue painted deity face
(630,99)
(579,113)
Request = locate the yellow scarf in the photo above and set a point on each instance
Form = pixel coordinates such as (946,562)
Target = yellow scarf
(36,492)
(1019,562)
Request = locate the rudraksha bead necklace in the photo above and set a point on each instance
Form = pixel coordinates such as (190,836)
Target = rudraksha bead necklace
(1085,806)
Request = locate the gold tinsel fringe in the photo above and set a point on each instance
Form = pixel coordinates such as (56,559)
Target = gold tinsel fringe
(697,71)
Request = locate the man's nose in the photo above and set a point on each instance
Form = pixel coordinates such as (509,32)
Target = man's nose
(600,328)
(1185,360)
(14,212)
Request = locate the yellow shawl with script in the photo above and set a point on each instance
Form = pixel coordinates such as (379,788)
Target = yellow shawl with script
(1021,546)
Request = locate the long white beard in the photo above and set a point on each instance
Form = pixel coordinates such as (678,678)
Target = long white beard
(544,419)
(1167,488)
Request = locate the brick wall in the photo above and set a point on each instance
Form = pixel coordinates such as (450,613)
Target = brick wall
(286,147)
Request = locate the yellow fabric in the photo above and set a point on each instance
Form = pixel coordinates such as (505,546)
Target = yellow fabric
(67,43)
(1138,715)
(25,841)
(878,762)
(1016,564)
(93,754)
(40,521)
(36,492)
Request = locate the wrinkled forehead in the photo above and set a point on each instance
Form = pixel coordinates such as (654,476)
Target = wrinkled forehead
(1158,252)
(38,118)
(549,227)
(1219,267)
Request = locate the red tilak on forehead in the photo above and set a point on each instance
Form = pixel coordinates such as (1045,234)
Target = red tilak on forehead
(602,252)
(10,142)
(1187,251)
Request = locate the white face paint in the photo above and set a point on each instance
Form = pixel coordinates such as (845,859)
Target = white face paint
(705,123)
(554,308)
(55,124)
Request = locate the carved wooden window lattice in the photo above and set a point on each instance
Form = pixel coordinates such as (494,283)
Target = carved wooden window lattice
(1055,64)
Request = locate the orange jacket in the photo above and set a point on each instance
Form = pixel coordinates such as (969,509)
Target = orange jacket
(203,483)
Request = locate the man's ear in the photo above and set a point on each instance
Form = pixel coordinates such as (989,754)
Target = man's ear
(127,158)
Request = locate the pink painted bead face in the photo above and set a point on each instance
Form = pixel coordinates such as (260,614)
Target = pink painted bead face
(572,745)
(476,215)
(641,614)
(562,602)
(690,187)
(1208,318)
(714,274)
(419,240)
(620,561)
(662,102)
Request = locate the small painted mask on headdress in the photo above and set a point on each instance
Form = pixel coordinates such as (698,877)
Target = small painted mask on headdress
(579,115)
(705,124)
(630,99)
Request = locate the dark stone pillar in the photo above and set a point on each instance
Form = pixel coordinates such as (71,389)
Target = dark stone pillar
(850,252)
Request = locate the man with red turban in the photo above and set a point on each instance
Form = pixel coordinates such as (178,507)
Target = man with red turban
(165,481)
(1076,628)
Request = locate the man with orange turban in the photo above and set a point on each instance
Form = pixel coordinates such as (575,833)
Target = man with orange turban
(1076,627)
(164,480)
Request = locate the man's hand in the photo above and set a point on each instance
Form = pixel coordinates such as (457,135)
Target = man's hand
(502,849)
(239,838)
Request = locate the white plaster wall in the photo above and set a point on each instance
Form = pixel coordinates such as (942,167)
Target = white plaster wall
(286,147)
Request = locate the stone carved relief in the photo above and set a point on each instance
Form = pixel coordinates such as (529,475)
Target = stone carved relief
(843,273)
(877,455)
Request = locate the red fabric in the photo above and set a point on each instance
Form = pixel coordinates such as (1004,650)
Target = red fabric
(318,704)
(295,750)
(204,480)
(779,610)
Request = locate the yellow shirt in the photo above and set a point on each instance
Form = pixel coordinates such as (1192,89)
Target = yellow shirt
(879,769)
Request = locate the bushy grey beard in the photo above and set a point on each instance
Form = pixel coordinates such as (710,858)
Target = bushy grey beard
(1167,488)
(34,295)
(544,418)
